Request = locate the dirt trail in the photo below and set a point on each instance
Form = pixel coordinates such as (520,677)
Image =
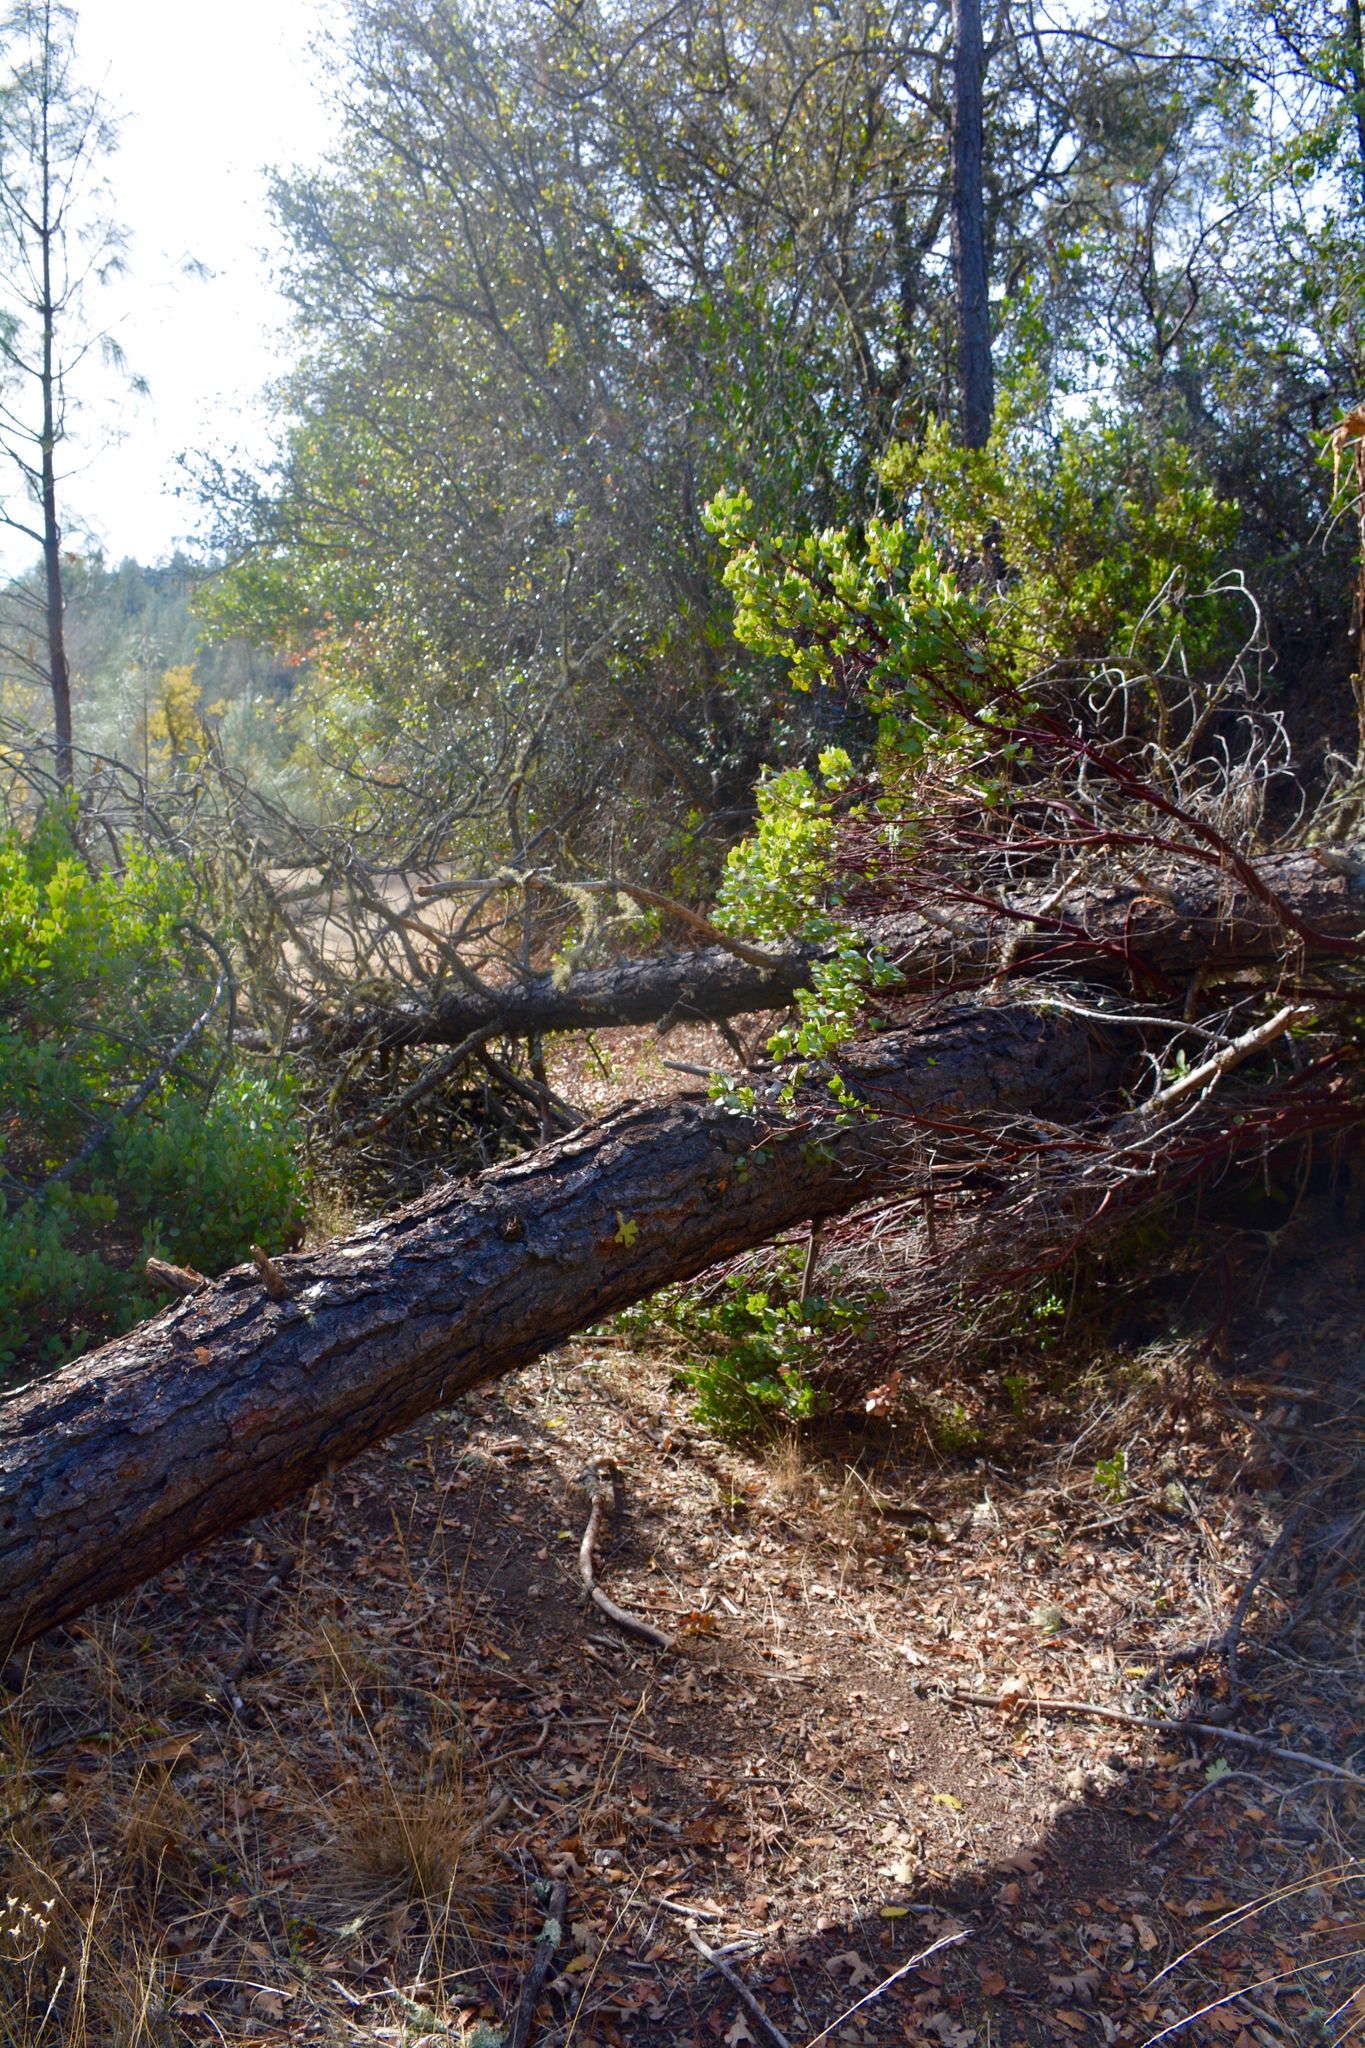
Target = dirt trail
(259,1771)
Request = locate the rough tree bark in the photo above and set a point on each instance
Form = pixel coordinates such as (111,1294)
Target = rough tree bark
(233,1401)
(975,372)
(1156,931)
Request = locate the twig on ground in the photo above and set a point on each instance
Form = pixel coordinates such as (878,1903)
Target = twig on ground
(246,1656)
(599,1481)
(1164,1839)
(1232,1639)
(547,1941)
(1126,1720)
(683,1912)
(739,1987)
(944,1941)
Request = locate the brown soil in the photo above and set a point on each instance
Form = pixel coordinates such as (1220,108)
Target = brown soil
(303,1789)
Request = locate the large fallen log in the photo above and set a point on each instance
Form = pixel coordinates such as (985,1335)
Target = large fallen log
(1155,930)
(234,1400)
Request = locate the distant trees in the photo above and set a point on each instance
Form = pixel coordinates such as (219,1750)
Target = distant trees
(574,269)
(56,238)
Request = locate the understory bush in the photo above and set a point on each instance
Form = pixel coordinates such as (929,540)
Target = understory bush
(751,1346)
(103,980)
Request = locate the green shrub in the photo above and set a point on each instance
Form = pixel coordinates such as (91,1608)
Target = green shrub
(102,974)
(954,1430)
(1111,1477)
(751,1348)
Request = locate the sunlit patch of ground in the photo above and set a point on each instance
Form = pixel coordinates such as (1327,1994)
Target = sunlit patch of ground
(304,1787)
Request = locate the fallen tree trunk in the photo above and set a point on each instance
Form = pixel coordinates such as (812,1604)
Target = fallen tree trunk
(243,1394)
(1157,930)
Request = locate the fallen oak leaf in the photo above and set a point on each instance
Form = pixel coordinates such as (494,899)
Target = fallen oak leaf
(859,1972)
(739,2033)
(1082,1986)
(698,1624)
(176,1749)
(881,1400)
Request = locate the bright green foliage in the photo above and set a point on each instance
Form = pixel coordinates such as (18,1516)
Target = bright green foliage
(99,979)
(1111,1477)
(1094,550)
(954,1430)
(1107,538)
(778,883)
(779,886)
(1104,548)
(751,1349)
(880,597)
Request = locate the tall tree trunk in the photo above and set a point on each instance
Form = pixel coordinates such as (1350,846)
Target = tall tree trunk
(976,379)
(58,671)
(1355,64)
(58,668)
(245,1393)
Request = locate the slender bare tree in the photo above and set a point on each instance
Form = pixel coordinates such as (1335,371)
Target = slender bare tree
(57,238)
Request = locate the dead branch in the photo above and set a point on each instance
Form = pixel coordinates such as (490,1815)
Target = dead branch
(739,1987)
(1204,920)
(1006,1703)
(547,1941)
(599,1482)
(231,1401)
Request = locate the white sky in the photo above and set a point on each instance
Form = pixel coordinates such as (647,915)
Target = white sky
(211,95)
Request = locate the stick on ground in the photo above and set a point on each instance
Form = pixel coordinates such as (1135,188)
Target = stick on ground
(547,1941)
(599,1481)
(1234,1735)
(739,1987)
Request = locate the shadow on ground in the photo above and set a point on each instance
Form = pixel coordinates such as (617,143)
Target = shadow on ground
(304,1788)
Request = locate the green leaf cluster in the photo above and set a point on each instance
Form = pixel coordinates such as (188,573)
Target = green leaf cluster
(877,602)
(1109,541)
(751,1350)
(101,975)
(779,885)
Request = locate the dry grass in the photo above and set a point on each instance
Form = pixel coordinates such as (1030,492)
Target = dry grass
(346,1855)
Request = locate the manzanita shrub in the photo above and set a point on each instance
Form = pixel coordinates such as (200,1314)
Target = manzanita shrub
(102,976)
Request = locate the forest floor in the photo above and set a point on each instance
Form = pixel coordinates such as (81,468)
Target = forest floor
(311,1786)
(301,1789)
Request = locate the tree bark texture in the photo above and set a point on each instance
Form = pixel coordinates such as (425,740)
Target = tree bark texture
(233,1401)
(976,377)
(1152,933)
